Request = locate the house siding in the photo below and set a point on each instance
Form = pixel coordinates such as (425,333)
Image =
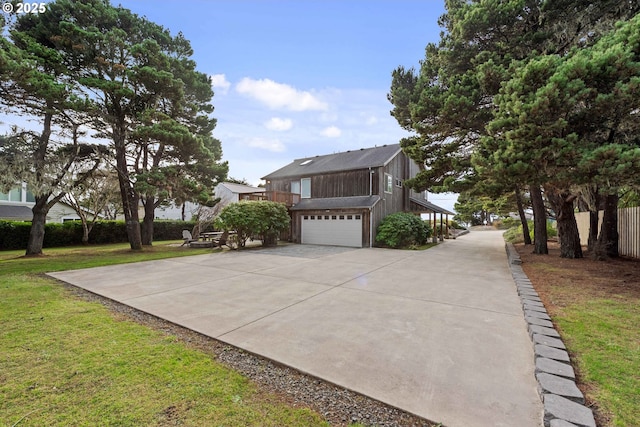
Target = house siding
(359,182)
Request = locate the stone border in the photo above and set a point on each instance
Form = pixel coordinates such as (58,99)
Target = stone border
(564,404)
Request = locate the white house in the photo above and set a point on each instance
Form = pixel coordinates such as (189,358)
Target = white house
(230,192)
(16,206)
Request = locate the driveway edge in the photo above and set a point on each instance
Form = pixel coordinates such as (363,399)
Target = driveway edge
(564,404)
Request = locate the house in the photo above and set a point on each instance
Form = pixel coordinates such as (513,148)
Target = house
(341,198)
(17,203)
(231,192)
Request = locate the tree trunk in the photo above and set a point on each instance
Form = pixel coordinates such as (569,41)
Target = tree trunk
(607,245)
(593,230)
(183,209)
(567,227)
(127,193)
(539,221)
(147,222)
(523,218)
(36,234)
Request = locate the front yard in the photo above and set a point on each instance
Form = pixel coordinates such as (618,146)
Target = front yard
(65,360)
(595,306)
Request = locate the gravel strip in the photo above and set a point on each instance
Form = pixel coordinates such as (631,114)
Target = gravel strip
(339,406)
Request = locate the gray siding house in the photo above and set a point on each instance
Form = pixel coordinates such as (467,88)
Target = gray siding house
(340,199)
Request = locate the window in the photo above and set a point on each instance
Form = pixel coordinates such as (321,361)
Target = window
(16,194)
(349,216)
(305,188)
(398,182)
(295,187)
(4,196)
(388,183)
(358,217)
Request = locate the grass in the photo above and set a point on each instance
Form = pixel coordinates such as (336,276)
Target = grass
(66,361)
(596,308)
(604,336)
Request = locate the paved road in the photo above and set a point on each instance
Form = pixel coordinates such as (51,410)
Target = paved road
(439,333)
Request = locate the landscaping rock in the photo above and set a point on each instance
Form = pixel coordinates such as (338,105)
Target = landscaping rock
(558,407)
(550,332)
(544,365)
(536,314)
(561,386)
(539,322)
(551,342)
(561,423)
(551,353)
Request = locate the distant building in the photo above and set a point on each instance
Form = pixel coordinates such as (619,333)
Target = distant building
(16,206)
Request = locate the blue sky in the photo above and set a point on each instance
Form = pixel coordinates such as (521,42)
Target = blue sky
(300,78)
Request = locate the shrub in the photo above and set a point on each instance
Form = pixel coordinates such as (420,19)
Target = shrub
(14,234)
(514,234)
(402,230)
(254,219)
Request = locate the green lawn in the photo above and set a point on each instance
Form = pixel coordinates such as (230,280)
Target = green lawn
(65,361)
(596,307)
(605,336)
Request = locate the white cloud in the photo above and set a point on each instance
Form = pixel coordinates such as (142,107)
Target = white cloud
(278,124)
(371,120)
(267,144)
(331,132)
(220,82)
(279,96)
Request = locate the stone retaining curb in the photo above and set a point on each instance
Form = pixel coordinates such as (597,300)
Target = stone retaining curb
(562,400)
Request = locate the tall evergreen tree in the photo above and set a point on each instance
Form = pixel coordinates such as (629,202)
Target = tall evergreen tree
(136,76)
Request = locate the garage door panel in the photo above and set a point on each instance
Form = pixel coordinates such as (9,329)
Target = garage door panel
(336,230)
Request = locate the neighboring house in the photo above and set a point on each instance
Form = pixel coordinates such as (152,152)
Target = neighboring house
(230,192)
(16,206)
(174,212)
(340,199)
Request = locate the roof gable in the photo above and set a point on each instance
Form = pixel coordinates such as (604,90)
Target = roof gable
(337,162)
(241,188)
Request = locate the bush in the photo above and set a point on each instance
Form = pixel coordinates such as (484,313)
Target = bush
(254,219)
(402,229)
(15,235)
(514,234)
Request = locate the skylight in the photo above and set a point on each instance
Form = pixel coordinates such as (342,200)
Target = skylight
(306,162)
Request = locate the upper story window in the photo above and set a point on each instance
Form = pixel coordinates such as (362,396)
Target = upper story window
(398,182)
(305,188)
(388,183)
(295,187)
(18,194)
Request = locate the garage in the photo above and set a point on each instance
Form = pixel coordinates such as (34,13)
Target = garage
(334,229)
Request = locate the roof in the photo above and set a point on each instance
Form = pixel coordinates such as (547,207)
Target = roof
(336,203)
(337,162)
(18,213)
(430,206)
(241,188)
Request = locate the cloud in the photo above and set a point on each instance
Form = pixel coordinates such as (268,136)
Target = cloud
(331,132)
(219,81)
(279,96)
(278,124)
(267,144)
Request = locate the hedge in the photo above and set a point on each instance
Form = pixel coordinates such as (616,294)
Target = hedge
(14,234)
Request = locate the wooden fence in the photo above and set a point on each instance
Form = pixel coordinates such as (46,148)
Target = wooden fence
(628,230)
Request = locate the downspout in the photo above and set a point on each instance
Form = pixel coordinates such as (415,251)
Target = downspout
(370,182)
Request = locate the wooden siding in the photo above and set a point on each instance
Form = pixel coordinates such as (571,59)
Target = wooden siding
(628,230)
(356,183)
(398,199)
(341,184)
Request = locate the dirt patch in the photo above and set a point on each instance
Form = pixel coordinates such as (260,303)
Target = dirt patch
(561,282)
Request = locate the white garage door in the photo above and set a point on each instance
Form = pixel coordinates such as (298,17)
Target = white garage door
(336,230)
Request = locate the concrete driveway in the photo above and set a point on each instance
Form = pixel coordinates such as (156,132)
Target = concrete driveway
(439,333)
